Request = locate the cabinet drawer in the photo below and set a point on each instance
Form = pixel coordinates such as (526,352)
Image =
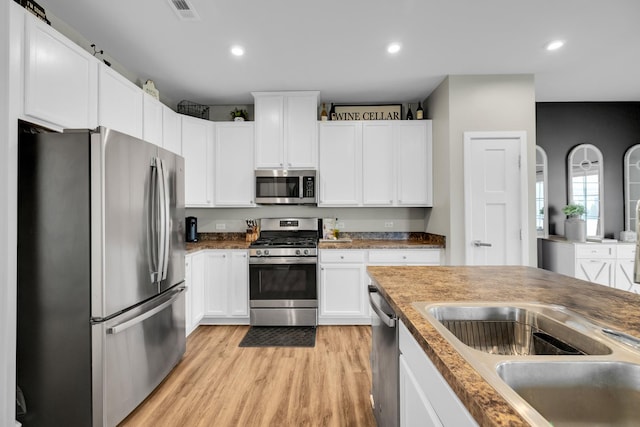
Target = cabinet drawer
(421,256)
(626,251)
(595,251)
(329,255)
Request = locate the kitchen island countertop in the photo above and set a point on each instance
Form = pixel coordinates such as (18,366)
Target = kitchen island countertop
(404,285)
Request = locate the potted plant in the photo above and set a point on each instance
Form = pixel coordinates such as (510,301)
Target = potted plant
(239,115)
(575,228)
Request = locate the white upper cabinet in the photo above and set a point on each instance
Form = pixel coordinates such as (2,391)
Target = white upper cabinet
(378,170)
(340,164)
(414,162)
(60,80)
(197,150)
(286,129)
(152,120)
(119,103)
(234,178)
(171,130)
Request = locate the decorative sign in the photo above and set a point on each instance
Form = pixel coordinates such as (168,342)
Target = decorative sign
(150,88)
(367,112)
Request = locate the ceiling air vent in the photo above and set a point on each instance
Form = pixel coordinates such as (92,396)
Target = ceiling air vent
(184,9)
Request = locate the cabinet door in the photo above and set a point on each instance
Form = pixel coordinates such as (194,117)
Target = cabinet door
(415,409)
(60,80)
(414,168)
(378,173)
(343,294)
(234,173)
(197,150)
(301,131)
(340,164)
(239,284)
(217,283)
(624,276)
(197,284)
(188,295)
(119,103)
(152,120)
(171,130)
(595,270)
(269,132)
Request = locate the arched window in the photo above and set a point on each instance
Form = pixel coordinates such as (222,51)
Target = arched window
(586,187)
(542,218)
(631,186)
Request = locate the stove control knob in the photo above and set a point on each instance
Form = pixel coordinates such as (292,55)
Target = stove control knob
(306,251)
(297,251)
(266,251)
(258,252)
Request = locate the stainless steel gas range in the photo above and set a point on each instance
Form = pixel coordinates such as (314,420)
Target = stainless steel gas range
(283,262)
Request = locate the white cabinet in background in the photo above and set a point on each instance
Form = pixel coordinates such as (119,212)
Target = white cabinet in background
(195,279)
(119,103)
(227,287)
(414,173)
(234,167)
(152,120)
(171,130)
(340,164)
(60,78)
(286,129)
(426,399)
(625,260)
(378,171)
(342,296)
(197,150)
(405,257)
(596,263)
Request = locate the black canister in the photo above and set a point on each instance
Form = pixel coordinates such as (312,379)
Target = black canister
(192,229)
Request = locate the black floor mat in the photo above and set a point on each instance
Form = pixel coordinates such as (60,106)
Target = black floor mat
(280,336)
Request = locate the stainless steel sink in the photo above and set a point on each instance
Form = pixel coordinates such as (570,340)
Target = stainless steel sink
(553,365)
(578,393)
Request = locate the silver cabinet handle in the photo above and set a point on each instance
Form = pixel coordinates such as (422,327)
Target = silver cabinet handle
(478,243)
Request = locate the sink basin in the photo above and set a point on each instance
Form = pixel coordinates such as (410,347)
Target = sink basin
(579,393)
(515,330)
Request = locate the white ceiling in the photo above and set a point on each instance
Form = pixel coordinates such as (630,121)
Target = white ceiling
(339,46)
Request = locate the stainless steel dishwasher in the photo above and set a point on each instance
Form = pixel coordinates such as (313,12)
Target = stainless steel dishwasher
(385,353)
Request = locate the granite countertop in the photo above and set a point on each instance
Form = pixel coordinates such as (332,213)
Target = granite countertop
(405,285)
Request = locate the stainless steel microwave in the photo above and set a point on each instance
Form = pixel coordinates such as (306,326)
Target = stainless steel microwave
(286,187)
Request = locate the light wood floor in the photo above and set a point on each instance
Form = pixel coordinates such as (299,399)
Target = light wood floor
(220,384)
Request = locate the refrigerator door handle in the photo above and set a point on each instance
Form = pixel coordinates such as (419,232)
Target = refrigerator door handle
(165,225)
(154,222)
(172,296)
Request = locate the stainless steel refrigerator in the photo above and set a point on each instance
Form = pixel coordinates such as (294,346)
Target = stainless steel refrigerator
(101,229)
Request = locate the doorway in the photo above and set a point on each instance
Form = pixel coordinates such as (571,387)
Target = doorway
(496,198)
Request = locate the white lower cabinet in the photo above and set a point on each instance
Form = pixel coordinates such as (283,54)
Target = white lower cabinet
(425,397)
(195,280)
(342,297)
(624,269)
(226,292)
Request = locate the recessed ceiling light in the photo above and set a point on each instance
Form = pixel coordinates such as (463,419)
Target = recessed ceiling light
(555,45)
(393,48)
(237,50)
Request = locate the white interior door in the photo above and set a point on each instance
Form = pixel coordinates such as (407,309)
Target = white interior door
(495,198)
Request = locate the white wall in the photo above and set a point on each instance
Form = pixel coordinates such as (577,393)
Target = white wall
(476,103)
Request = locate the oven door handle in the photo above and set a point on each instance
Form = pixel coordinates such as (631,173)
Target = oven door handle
(390,321)
(283,260)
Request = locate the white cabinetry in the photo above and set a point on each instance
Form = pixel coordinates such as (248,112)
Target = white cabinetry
(376,163)
(343,288)
(60,79)
(197,150)
(234,183)
(227,287)
(340,168)
(425,397)
(119,102)
(171,130)
(195,279)
(405,257)
(608,264)
(286,129)
(152,120)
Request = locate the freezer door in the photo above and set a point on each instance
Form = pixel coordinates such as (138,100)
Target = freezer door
(133,353)
(173,268)
(124,253)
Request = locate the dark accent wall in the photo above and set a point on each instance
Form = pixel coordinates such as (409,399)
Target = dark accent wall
(613,127)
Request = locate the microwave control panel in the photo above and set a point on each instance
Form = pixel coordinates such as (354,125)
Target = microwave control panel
(309,186)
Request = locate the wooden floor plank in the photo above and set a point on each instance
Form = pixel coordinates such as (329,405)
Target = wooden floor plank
(220,384)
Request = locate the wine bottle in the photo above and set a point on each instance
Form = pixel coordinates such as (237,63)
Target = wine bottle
(419,112)
(332,112)
(323,114)
(409,113)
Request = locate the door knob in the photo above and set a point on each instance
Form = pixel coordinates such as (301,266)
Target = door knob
(478,243)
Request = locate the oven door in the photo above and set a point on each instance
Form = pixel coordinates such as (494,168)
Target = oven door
(283,282)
